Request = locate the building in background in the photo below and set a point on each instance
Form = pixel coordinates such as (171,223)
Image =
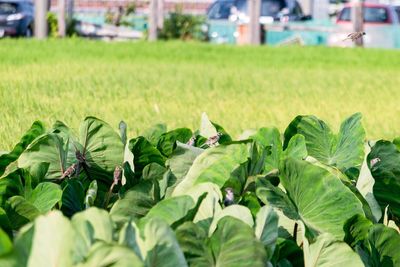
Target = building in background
(188,6)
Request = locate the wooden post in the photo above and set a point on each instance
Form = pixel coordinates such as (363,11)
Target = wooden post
(70,9)
(358,20)
(61,18)
(40,19)
(153,20)
(254,24)
(160,14)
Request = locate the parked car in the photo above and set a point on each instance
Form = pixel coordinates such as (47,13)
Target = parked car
(224,15)
(381,25)
(16,18)
(271,10)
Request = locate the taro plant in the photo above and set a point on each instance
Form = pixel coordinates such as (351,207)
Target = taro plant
(308,197)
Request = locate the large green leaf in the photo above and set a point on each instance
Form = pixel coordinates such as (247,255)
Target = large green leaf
(90,226)
(207,129)
(5,223)
(102,147)
(180,162)
(344,151)
(266,228)
(20,211)
(42,199)
(270,137)
(10,185)
(234,244)
(315,196)
(327,251)
(365,185)
(214,165)
(36,130)
(209,206)
(154,133)
(167,142)
(135,204)
(235,211)
(105,255)
(159,246)
(384,163)
(128,236)
(49,241)
(193,240)
(73,196)
(175,210)
(46,157)
(5,243)
(287,253)
(100,221)
(144,153)
(385,243)
(45,196)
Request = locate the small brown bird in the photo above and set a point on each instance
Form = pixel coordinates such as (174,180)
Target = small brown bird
(229,197)
(354,36)
(70,171)
(213,140)
(117,174)
(191,141)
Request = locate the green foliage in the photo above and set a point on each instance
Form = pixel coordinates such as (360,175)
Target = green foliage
(182,26)
(153,200)
(52,24)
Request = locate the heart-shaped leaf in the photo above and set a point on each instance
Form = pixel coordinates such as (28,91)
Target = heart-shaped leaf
(343,151)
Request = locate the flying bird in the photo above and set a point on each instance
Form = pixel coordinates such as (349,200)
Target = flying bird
(229,197)
(354,36)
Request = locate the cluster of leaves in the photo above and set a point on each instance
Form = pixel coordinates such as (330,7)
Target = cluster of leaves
(183,26)
(96,199)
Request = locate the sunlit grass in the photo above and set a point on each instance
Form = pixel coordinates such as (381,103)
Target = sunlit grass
(239,87)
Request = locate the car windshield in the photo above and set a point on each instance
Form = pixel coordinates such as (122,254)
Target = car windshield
(7,8)
(220,10)
(269,8)
(371,14)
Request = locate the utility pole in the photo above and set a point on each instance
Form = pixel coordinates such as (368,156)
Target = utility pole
(357,18)
(160,14)
(153,20)
(70,10)
(61,18)
(40,19)
(254,23)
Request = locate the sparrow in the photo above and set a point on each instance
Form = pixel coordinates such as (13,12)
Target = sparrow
(229,197)
(354,36)
(117,174)
(191,141)
(213,140)
(70,171)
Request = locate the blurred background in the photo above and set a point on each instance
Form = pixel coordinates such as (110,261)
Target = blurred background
(272,22)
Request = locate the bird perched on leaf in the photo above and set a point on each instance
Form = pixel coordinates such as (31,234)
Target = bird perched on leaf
(229,197)
(70,171)
(354,36)
(213,140)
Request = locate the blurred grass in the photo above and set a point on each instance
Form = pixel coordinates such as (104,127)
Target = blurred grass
(238,87)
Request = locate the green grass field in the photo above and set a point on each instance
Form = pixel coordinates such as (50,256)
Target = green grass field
(239,87)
